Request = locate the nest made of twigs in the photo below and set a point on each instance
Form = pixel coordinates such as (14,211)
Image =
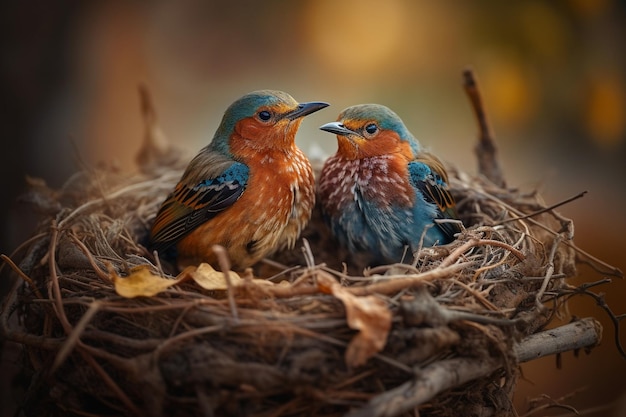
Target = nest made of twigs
(456,315)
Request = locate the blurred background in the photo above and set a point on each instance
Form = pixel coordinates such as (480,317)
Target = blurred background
(552,74)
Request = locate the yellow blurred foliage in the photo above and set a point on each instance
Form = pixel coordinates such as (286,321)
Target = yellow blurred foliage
(605,115)
(356,37)
(590,8)
(510,91)
(545,30)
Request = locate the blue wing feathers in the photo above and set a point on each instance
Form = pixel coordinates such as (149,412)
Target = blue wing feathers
(189,207)
(434,189)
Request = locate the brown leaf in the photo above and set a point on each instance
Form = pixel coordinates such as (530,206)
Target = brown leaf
(368,314)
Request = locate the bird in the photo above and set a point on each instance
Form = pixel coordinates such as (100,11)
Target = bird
(251,190)
(381,193)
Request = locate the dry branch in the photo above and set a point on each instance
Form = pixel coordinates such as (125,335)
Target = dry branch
(446,374)
(485,149)
(581,334)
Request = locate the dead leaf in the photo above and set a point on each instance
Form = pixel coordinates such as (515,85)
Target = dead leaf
(210,279)
(142,283)
(367,314)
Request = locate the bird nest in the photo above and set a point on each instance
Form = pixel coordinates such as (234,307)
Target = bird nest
(321,335)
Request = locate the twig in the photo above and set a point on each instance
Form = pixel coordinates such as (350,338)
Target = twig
(545,209)
(224,262)
(395,284)
(40,341)
(424,309)
(126,189)
(456,254)
(489,242)
(584,333)
(430,381)
(308,254)
(108,380)
(482,300)
(485,148)
(186,335)
(446,374)
(284,269)
(381,269)
(22,275)
(593,261)
(472,242)
(605,409)
(549,272)
(106,278)
(22,246)
(54,278)
(553,403)
(600,300)
(74,337)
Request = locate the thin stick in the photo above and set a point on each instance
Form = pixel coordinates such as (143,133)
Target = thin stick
(54,278)
(108,380)
(186,335)
(546,209)
(22,275)
(485,242)
(23,245)
(308,254)
(74,337)
(456,254)
(485,148)
(112,195)
(549,272)
(397,284)
(43,341)
(224,262)
(593,261)
(106,278)
(601,301)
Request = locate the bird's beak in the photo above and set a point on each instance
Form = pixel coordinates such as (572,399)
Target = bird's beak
(305,108)
(338,129)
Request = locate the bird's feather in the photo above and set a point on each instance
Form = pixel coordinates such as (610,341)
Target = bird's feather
(429,177)
(191,205)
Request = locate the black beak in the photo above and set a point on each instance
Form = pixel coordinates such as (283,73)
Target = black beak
(337,128)
(306,108)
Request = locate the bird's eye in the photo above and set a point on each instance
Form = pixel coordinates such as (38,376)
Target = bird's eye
(371,128)
(265,115)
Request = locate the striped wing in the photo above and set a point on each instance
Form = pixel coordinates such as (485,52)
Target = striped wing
(190,206)
(429,176)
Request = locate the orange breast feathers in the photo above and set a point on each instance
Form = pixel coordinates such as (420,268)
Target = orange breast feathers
(269,216)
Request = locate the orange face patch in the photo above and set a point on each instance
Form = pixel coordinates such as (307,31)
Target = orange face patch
(358,146)
(253,134)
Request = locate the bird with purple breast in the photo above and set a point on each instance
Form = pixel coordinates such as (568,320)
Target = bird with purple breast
(381,193)
(250,190)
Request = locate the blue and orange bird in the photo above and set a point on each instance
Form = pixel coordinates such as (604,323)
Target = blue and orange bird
(251,190)
(381,193)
